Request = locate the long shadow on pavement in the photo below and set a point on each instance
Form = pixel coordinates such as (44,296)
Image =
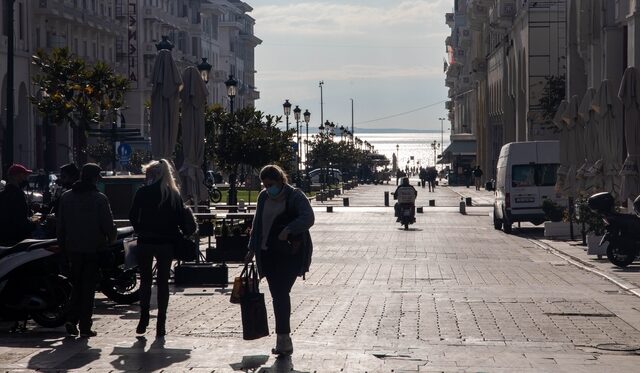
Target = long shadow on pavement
(157,357)
(66,354)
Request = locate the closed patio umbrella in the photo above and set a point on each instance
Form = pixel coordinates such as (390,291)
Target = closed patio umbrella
(630,95)
(574,144)
(194,100)
(610,127)
(564,145)
(589,143)
(164,105)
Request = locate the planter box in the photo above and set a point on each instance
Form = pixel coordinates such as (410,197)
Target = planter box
(560,230)
(228,249)
(593,245)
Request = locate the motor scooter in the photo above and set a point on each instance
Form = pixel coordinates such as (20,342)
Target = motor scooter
(622,231)
(406,209)
(32,284)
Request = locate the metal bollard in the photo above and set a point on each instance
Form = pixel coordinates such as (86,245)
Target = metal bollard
(420,210)
(345,202)
(463,207)
(468,201)
(386,198)
(329,208)
(432,202)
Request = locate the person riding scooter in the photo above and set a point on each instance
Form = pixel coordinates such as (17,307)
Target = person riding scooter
(405,194)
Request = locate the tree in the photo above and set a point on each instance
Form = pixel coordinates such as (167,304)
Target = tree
(553,93)
(74,93)
(247,137)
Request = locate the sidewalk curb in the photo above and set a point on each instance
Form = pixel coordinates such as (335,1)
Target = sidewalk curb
(473,203)
(625,285)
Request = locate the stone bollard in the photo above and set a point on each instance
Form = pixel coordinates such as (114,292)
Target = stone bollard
(420,210)
(432,203)
(386,198)
(463,207)
(345,202)
(329,208)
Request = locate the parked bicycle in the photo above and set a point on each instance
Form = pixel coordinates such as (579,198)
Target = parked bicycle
(215,195)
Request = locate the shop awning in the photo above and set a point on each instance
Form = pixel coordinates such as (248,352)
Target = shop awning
(458,148)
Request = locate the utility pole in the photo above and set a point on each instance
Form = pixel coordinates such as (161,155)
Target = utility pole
(7,158)
(321,103)
(352,129)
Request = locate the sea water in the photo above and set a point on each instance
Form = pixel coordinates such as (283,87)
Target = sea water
(413,148)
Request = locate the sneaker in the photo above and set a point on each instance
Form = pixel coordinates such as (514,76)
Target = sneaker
(72,329)
(88,334)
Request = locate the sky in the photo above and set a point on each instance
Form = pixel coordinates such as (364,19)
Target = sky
(386,55)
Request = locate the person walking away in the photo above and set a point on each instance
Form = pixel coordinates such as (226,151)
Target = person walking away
(84,228)
(477,175)
(467,176)
(281,244)
(15,215)
(432,174)
(159,218)
(423,177)
(406,184)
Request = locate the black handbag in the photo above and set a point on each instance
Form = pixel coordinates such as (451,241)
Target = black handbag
(253,309)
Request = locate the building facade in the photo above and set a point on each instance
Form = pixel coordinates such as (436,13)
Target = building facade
(502,55)
(123,33)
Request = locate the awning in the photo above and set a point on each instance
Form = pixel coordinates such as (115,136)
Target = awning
(458,148)
(461,147)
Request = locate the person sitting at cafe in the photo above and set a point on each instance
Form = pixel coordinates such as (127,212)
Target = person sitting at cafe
(15,214)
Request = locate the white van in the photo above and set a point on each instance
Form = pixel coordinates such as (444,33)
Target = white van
(526,176)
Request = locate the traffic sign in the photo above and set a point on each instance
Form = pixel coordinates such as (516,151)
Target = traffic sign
(124,153)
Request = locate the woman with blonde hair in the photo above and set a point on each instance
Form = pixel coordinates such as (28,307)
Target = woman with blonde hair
(159,218)
(281,243)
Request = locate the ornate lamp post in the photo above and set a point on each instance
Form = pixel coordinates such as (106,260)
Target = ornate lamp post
(435,146)
(232,90)
(296,116)
(205,68)
(287,111)
(307,119)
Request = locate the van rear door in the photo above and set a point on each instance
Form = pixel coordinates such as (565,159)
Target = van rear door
(548,163)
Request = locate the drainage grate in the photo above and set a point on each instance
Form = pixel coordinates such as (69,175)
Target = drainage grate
(580,314)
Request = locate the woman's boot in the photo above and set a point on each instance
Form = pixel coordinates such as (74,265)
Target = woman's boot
(284,345)
(160,326)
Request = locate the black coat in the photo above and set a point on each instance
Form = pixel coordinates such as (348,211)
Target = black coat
(15,224)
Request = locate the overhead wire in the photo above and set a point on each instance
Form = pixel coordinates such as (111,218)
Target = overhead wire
(403,113)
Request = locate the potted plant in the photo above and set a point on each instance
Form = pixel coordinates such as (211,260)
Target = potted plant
(556,226)
(594,229)
(231,243)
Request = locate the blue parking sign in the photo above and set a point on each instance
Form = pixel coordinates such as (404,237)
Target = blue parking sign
(124,153)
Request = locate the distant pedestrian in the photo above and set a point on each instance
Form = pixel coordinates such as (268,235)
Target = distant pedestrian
(477,175)
(398,176)
(84,228)
(15,215)
(282,246)
(467,176)
(423,176)
(69,174)
(159,217)
(432,174)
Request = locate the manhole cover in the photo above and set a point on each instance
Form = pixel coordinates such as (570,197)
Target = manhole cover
(617,347)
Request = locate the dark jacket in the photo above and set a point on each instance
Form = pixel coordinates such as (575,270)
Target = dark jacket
(84,220)
(159,224)
(304,220)
(15,225)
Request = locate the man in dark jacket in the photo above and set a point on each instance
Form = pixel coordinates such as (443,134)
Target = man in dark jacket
(15,214)
(69,174)
(85,227)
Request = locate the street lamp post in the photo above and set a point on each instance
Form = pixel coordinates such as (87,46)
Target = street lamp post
(307,119)
(435,146)
(287,111)
(232,90)
(205,68)
(296,116)
(441,136)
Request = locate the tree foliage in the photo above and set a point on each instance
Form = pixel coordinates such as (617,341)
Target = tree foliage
(248,137)
(75,93)
(326,152)
(553,93)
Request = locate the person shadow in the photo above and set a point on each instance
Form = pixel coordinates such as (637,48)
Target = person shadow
(70,354)
(157,357)
(256,364)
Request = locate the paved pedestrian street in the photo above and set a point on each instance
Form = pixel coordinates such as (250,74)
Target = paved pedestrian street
(450,294)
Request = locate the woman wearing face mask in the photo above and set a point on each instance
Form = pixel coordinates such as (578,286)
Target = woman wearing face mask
(158,217)
(281,243)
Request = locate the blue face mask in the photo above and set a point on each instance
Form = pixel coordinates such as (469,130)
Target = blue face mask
(273,191)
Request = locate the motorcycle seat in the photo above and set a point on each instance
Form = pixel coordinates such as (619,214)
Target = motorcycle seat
(24,245)
(629,223)
(124,232)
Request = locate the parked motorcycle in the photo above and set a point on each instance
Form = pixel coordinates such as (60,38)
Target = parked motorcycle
(32,285)
(118,283)
(622,230)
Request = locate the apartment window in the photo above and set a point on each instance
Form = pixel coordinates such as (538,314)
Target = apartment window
(38,37)
(95,50)
(93,6)
(75,46)
(101,9)
(84,4)
(85,50)
(102,53)
(111,58)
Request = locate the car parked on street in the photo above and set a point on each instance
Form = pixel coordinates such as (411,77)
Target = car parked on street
(333,175)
